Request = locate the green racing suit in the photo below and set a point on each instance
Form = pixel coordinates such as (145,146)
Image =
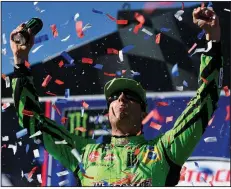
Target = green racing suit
(126,161)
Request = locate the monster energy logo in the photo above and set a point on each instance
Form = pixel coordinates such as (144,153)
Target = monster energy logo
(75,120)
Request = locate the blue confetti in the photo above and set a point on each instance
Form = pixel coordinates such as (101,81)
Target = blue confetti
(68,58)
(119,73)
(105,183)
(185,83)
(196,164)
(127,48)
(201,34)
(27,148)
(130,29)
(210,4)
(99,140)
(165,29)
(175,70)
(67,93)
(135,73)
(98,66)
(96,11)
(21,133)
(41,38)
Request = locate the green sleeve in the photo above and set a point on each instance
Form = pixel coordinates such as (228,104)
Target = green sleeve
(188,129)
(25,97)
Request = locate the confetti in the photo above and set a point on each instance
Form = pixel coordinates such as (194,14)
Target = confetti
(5,106)
(21,133)
(5,138)
(196,164)
(204,80)
(82,129)
(39,178)
(185,83)
(36,153)
(3,76)
(41,38)
(46,81)
(127,48)
(112,18)
(179,88)
(210,139)
(28,179)
(121,56)
(147,32)
(175,71)
(140,18)
(76,17)
(35,3)
(193,47)
(96,11)
(13,147)
(64,182)
(3,146)
(201,34)
(61,101)
(67,93)
(112,51)
(169,119)
(227,10)
(59,82)
(165,29)
(211,120)
(85,105)
(147,118)
(7,79)
(56,109)
(54,30)
(28,113)
(178,15)
(32,172)
(158,38)
(27,148)
(61,142)
(87,60)
(155,126)
(203,49)
(183,173)
(109,74)
(227,91)
(27,64)
(49,93)
(20,143)
(62,173)
(78,27)
(37,141)
(122,22)
(22,174)
(4,42)
(61,63)
(36,134)
(137,151)
(162,104)
(135,73)
(82,111)
(98,66)
(137,27)
(227,118)
(66,38)
(4,51)
(63,120)
(67,57)
(119,73)
(87,26)
(76,154)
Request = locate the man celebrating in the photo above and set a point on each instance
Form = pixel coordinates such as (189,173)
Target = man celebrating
(128,160)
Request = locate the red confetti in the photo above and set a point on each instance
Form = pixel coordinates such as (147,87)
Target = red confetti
(137,151)
(157,116)
(28,113)
(3,76)
(112,51)
(140,18)
(158,38)
(137,27)
(228,113)
(61,63)
(54,30)
(122,22)
(46,81)
(204,80)
(56,109)
(59,82)
(193,47)
(82,129)
(109,74)
(32,172)
(79,29)
(63,120)
(182,6)
(124,71)
(162,104)
(211,120)
(49,93)
(169,119)
(227,92)
(147,118)
(27,64)
(88,176)
(112,18)
(85,105)
(87,60)
(155,125)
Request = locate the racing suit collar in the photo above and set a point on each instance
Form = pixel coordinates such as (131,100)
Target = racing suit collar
(131,140)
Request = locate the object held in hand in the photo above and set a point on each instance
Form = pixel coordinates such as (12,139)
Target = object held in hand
(207,14)
(23,37)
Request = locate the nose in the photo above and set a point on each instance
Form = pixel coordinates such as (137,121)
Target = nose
(122,98)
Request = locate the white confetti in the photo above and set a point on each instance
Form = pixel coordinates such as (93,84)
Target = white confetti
(13,147)
(37,9)
(178,15)
(38,141)
(227,10)
(36,153)
(4,51)
(36,2)
(82,111)
(66,38)
(7,79)
(20,143)
(147,32)
(4,39)
(28,179)
(5,106)
(210,139)
(76,17)
(22,174)
(36,49)
(42,11)
(62,183)
(59,174)
(5,138)
(121,56)
(179,88)
(87,26)
(203,49)
(61,142)
(36,134)
(39,178)
(76,154)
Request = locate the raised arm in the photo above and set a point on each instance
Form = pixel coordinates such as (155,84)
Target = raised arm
(179,142)
(26,98)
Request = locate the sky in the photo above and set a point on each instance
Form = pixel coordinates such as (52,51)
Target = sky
(61,13)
